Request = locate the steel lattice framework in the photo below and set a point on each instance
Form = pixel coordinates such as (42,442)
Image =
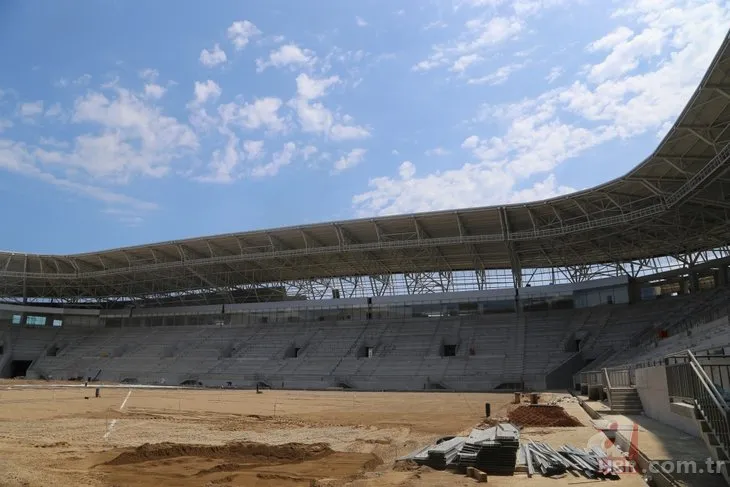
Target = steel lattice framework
(673,206)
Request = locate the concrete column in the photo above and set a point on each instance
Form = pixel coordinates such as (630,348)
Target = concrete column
(694,282)
(634,289)
(683,287)
(721,276)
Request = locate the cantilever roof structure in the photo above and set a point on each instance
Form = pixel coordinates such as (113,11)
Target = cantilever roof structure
(675,202)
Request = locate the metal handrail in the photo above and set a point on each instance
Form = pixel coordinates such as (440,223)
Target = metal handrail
(688,380)
(708,382)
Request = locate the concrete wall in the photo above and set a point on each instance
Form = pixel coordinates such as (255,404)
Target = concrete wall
(594,297)
(651,383)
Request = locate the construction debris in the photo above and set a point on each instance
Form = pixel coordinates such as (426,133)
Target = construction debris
(443,454)
(476,474)
(492,450)
(591,463)
(496,451)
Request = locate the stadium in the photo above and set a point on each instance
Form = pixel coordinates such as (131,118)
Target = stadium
(618,293)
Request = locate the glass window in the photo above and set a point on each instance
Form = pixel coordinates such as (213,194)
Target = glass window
(16,319)
(35,320)
(57,323)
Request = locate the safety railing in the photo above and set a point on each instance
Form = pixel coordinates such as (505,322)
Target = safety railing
(717,369)
(688,380)
(620,377)
(593,378)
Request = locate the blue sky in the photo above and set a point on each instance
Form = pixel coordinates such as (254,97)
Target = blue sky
(129,122)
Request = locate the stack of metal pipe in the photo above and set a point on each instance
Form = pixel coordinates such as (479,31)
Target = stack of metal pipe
(591,463)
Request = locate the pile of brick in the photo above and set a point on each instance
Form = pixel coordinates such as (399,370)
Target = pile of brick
(540,415)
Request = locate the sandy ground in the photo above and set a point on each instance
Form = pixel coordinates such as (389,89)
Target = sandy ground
(223,437)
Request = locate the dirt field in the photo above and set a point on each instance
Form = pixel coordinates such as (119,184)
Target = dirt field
(226,438)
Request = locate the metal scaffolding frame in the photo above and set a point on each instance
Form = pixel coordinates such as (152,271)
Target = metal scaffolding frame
(671,211)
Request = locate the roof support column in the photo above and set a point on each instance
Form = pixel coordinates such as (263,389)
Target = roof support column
(25,279)
(511,251)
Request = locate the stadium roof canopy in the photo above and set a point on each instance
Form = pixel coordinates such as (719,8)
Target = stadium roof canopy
(674,203)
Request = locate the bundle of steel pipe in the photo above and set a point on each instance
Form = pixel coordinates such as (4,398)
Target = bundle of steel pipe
(592,463)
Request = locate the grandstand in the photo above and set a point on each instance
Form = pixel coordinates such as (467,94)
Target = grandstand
(508,297)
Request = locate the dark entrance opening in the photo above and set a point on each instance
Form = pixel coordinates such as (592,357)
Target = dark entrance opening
(18,368)
(449,351)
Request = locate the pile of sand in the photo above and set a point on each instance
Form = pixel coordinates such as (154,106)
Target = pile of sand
(246,452)
(554,416)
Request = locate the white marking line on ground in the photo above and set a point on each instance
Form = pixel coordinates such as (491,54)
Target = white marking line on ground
(125,400)
(114,421)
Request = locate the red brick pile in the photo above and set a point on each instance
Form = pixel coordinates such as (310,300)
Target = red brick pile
(553,416)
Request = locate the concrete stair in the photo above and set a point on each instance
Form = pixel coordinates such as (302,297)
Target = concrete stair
(717,450)
(625,400)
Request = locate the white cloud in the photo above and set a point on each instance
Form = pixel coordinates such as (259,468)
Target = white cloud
(309,151)
(310,88)
(241,32)
(204,91)
(562,123)
(480,34)
(406,170)
(54,111)
(499,76)
(280,159)
(360,22)
(497,22)
(223,163)
(82,80)
(287,55)
(314,117)
(470,185)
(254,149)
(154,91)
(464,62)
(263,113)
(5,124)
(437,151)
(626,54)
(470,142)
(30,109)
(555,73)
(149,74)
(436,24)
(609,41)
(53,142)
(133,138)
(213,58)
(348,132)
(350,160)
(16,157)
(479,3)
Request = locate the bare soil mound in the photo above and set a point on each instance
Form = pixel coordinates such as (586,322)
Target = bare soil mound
(406,466)
(244,452)
(554,416)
